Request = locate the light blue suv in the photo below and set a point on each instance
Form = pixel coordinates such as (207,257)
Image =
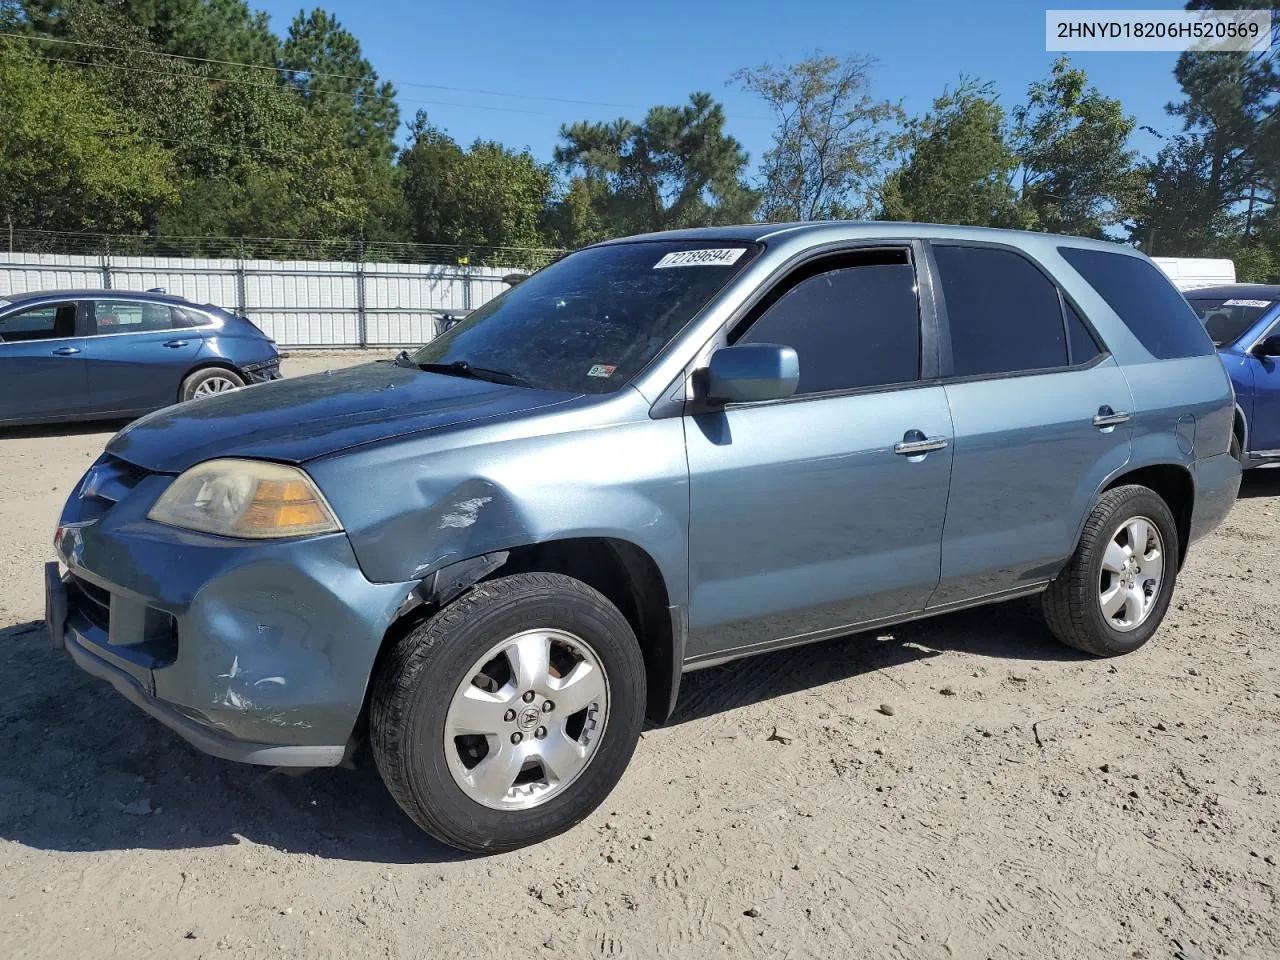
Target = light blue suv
(491,558)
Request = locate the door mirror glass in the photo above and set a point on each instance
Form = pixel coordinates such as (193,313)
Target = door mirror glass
(752,372)
(1269,347)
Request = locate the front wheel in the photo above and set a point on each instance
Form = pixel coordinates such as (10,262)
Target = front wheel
(510,715)
(1113,593)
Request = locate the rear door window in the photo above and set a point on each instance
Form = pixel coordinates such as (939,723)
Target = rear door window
(131,316)
(854,322)
(1004,315)
(1144,299)
(49,322)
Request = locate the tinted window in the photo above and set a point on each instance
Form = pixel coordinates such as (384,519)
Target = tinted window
(131,316)
(190,318)
(1227,319)
(853,326)
(590,322)
(1144,299)
(1083,347)
(40,323)
(1003,313)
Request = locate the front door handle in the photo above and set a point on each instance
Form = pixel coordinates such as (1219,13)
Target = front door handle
(175,343)
(66,351)
(918,444)
(1107,417)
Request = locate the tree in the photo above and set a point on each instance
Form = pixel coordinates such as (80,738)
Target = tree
(487,196)
(832,141)
(68,160)
(1078,174)
(1212,189)
(676,169)
(959,164)
(326,64)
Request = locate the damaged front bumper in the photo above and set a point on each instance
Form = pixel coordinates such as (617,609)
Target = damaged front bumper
(259,652)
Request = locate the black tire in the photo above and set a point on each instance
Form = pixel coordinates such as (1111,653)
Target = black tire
(1235,449)
(191,385)
(414,687)
(1071,605)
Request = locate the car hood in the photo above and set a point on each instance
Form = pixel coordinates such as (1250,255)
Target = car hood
(307,417)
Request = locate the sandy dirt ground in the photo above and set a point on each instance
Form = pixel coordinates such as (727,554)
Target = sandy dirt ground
(1020,801)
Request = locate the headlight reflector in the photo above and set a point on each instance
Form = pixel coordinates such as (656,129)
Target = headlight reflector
(246,498)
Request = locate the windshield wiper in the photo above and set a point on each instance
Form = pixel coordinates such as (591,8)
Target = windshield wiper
(461,368)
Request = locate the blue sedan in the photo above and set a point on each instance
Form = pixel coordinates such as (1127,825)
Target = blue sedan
(1243,320)
(108,354)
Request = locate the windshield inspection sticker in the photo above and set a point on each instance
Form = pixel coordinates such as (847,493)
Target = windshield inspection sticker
(602,370)
(721,257)
(1247,303)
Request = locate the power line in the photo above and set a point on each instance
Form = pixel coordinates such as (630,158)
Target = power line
(275,86)
(317,73)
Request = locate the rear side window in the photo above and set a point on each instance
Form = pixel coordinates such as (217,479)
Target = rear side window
(853,324)
(1145,300)
(1003,314)
(130,316)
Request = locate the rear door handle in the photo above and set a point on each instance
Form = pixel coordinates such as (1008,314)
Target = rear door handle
(1107,417)
(66,351)
(175,343)
(913,448)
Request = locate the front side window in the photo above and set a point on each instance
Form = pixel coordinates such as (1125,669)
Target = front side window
(1227,319)
(853,325)
(130,316)
(592,321)
(1003,313)
(50,322)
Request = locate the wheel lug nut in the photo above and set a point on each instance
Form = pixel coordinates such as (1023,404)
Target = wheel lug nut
(528,696)
(517,737)
(509,716)
(548,707)
(540,732)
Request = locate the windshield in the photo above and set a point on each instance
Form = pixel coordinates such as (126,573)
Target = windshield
(592,321)
(1226,320)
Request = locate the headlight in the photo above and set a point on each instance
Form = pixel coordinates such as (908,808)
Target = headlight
(245,498)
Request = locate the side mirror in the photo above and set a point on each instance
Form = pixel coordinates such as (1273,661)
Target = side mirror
(1270,347)
(751,372)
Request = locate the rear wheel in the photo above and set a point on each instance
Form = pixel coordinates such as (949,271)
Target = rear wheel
(1113,593)
(509,716)
(209,381)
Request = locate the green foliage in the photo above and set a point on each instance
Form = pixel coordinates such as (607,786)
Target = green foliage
(68,159)
(486,196)
(959,164)
(832,141)
(1078,173)
(676,169)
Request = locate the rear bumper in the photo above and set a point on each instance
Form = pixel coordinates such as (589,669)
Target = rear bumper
(1217,483)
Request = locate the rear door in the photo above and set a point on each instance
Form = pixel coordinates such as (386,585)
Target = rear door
(137,354)
(812,513)
(42,368)
(1041,414)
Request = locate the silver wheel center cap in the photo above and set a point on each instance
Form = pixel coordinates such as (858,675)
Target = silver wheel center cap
(528,718)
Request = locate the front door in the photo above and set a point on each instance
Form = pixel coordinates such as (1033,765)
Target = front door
(137,355)
(1264,425)
(809,514)
(1041,418)
(42,369)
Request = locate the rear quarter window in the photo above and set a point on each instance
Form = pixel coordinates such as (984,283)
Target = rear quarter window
(1144,299)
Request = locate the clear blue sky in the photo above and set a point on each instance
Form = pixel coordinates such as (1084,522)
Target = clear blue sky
(634,55)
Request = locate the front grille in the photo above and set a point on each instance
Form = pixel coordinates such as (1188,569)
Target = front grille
(131,473)
(92,601)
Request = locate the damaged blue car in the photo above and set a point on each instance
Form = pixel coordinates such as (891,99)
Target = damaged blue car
(492,558)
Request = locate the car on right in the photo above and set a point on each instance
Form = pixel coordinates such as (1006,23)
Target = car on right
(1243,321)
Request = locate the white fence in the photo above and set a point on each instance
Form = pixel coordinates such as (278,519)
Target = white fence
(298,303)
